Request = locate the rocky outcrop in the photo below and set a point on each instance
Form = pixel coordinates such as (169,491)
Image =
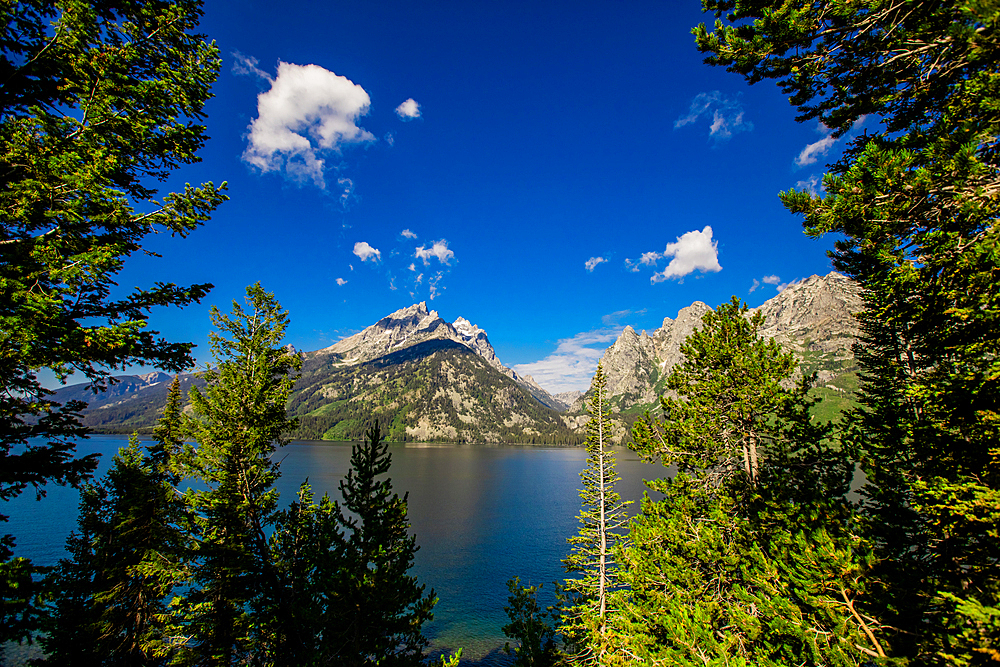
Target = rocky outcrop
(812,318)
(415,325)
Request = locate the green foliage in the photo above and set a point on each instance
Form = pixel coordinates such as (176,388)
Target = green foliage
(129,554)
(915,208)
(96,99)
(583,623)
(530,626)
(238,422)
(376,608)
(751,556)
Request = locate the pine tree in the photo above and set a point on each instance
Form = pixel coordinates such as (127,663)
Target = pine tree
(99,101)
(584,618)
(914,206)
(238,423)
(530,626)
(750,555)
(374,609)
(126,559)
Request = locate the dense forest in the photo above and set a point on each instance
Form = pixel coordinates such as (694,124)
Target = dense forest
(754,555)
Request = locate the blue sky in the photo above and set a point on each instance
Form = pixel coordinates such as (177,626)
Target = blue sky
(549,171)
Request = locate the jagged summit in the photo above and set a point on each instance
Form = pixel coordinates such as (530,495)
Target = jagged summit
(813,318)
(415,324)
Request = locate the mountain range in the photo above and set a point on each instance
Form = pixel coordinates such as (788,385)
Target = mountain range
(427,379)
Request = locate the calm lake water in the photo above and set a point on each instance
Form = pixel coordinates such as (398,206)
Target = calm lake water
(482,514)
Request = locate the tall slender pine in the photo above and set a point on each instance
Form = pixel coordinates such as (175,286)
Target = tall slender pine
(584,619)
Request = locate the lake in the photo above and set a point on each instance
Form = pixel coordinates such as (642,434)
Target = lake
(482,514)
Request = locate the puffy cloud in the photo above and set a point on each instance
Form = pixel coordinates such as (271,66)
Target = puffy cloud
(573,363)
(693,251)
(592,263)
(771,280)
(309,111)
(366,252)
(408,110)
(726,114)
(341,281)
(408,234)
(438,249)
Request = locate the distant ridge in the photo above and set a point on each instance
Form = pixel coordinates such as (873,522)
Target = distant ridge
(429,379)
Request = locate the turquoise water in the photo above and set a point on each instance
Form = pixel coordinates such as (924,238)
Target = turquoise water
(482,514)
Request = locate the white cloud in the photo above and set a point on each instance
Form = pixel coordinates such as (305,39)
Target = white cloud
(592,263)
(573,363)
(341,281)
(433,285)
(346,190)
(756,284)
(408,110)
(650,258)
(408,234)
(813,185)
(366,252)
(309,111)
(413,266)
(726,114)
(771,280)
(817,149)
(389,138)
(439,249)
(247,66)
(694,251)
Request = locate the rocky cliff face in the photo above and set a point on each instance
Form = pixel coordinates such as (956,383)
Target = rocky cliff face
(415,325)
(812,318)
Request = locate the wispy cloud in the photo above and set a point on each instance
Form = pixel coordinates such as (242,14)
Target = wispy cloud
(573,363)
(726,113)
(308,113)
(407,234)
(408,110)
(813,185)
(592,263)
(817,149)
(341,281)
(692,251)
(753,288)
(438,249)
(366,252)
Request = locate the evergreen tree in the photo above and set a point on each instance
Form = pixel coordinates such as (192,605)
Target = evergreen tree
(374,609)
(530,626)
(238,423)
(749,556)
(97,100)
(126,559)
(915,205)
(584,617)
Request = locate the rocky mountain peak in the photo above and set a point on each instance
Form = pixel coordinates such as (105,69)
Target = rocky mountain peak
(814,314)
